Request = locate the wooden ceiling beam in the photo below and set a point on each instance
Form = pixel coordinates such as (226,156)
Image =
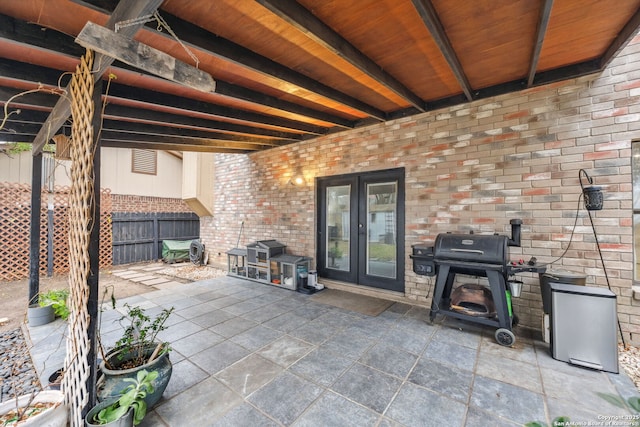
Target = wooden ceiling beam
(44,75)
(185,104)
(177,140)
(431,20)
(106,142)
(126,10)
(543,22)
(156,130)
(227,50)
(144,57)
(622,39)
(299,17)
(39,100)
(161,118)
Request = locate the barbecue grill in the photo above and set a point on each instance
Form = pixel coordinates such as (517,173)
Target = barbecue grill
(475,255)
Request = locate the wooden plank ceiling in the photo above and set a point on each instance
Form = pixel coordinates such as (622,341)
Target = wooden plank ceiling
(287,71)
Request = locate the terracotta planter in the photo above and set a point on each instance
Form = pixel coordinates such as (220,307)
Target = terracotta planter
(56,416)
(112,382)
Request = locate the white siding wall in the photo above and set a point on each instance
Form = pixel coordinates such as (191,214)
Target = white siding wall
(115,173)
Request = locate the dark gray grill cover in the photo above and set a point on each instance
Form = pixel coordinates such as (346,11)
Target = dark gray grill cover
(472,248)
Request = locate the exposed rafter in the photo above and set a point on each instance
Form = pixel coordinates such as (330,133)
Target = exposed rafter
(125,10)
(623,37)
(306,22)
(430,18)
(543,22)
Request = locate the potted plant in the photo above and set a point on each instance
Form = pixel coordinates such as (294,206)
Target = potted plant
(42,408)
(138,349)
(57,299)
(129,408)
(46,306)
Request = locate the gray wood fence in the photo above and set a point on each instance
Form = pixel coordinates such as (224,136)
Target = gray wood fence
(138,236)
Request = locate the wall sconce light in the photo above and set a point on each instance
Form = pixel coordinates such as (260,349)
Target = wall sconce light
(593,198)
(297,179)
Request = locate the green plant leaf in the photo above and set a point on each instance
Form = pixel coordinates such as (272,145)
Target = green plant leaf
(634,403)
(613,399)
(535,424)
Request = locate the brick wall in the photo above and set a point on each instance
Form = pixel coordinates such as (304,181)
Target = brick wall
(469,167)
(129,203)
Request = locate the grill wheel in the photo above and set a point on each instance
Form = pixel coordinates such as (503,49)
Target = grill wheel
(505,337)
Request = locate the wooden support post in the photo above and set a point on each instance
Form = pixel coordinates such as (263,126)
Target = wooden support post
(34,245)
(94,250)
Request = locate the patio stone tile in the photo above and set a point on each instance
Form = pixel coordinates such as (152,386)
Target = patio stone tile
(206,296)
(419,407)
(557,384)
(415,326)
(199,405)
(350,344)
(286,322)
(314,332)
(466,338)
(507,401)
(444,379)
(170,285)
(407,341)
(337,319)
(197,342)
(332,410)
(522,350)
(286,397)
(373,327)
(391,360)
(243,307)
(179,330)
(262,314)
(502,369)
(311,311)
(451,354)
(156,281)
(285,351)
(399,307)
(256,337)
(420,313)
(233,326)
(182,303)
(321,366)
(212,318)
(479,418)
(219,357)
(223,302)
(193,290)
(195,310)
(141,278)
(368,387)
(249,374)
(579,414)
(244,415)
(185,375)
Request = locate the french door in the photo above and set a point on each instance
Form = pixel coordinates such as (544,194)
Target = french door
(361,228)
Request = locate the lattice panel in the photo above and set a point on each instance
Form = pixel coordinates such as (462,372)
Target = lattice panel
(61,230)
(15,231)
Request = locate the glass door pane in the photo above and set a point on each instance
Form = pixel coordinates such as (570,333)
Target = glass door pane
(338,221)
(381,253)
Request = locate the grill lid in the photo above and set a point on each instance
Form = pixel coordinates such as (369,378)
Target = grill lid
(474,248)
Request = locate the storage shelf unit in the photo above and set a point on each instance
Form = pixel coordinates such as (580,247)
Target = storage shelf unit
(265,261)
